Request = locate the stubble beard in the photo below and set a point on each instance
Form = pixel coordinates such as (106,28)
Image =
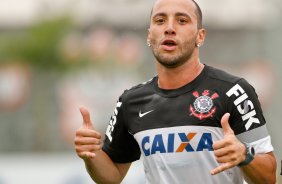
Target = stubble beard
(177,59)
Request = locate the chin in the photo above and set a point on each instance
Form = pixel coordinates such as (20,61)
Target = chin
(170,63)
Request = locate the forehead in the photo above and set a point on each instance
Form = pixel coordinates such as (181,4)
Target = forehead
(174,6)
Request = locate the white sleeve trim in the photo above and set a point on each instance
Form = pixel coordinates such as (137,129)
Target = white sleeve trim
(263,145)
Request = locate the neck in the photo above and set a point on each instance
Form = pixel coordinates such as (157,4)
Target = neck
(173,78)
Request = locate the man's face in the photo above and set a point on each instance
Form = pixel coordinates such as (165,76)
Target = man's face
(173,31)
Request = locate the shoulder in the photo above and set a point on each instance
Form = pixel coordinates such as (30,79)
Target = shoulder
(228,84)
(221,75)
(142,85)
(227,78)
(141,89)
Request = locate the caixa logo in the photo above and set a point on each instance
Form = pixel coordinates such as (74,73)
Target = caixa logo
(168,144)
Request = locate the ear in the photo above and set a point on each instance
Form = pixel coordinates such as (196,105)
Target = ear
(201,36)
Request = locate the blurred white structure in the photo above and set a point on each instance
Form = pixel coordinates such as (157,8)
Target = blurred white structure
(135,13)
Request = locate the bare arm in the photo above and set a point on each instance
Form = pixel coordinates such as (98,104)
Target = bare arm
(103,170)
(261,170)
(229,152)
(98,164)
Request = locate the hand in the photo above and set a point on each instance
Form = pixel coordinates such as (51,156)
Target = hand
(229,151)
(87,140)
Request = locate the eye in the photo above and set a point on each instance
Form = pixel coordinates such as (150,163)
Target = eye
(182,21)
(159,21)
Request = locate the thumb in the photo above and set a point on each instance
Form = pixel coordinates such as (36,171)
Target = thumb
(225,124)
(86,117)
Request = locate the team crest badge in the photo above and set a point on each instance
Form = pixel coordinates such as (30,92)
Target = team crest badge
(203,106)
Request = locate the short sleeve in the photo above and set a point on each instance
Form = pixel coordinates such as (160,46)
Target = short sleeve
(119,144)
(247,120)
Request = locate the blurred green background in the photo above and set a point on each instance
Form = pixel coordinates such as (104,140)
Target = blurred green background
(56,56)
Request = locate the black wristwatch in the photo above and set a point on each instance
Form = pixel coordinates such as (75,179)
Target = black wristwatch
(250,155)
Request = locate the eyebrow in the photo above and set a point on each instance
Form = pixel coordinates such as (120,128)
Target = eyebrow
(159,14)
(178,14)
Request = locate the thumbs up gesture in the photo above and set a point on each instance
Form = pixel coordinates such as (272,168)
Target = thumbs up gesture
(229,151)
(87,140)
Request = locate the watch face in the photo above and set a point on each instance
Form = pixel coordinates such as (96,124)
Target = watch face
(252,151)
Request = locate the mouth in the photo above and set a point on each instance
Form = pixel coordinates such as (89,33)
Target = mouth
(169,44)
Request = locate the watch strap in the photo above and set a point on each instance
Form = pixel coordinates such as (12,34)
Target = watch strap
(250,154)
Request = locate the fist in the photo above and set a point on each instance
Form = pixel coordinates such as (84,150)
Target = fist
(87,140)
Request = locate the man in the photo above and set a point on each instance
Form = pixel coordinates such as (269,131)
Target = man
(192,123)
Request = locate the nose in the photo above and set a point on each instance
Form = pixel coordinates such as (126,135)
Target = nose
(170,30)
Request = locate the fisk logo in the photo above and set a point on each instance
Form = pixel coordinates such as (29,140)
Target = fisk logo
(244,105)
(113,121)
(168,143)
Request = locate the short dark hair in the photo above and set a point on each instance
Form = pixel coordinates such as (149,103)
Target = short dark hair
(198,14)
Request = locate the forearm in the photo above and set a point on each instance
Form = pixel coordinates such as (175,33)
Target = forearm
(261,170)
(103,170)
